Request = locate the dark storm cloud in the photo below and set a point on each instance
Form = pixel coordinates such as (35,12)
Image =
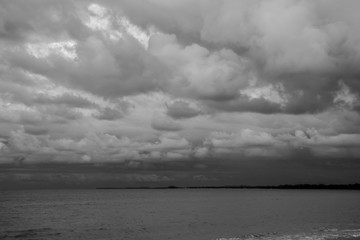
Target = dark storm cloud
(201,90)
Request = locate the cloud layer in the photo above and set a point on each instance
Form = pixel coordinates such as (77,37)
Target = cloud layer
(180,85)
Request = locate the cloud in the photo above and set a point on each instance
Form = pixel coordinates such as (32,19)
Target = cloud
(246,58)
(109,114)
(36,130)
(24,143)
(82,62)
(200,178)
(198,72)
(247,143)
(181,109)
(243,138)
(94,148)
(65,99)
(172,85)
(285,40)
(147,178)
(345,98)
(163,123)
(246,104)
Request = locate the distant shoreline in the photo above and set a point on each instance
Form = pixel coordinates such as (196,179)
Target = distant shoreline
(355,186)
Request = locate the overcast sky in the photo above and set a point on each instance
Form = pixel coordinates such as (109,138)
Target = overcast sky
(180,92)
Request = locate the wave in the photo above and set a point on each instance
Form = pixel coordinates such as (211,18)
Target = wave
(326,234)
(43,233)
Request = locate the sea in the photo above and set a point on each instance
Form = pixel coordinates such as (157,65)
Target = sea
(201,214)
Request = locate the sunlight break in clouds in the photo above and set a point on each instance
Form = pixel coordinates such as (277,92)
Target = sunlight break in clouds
(180,91)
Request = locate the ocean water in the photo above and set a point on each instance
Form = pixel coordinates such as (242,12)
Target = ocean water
(222,214)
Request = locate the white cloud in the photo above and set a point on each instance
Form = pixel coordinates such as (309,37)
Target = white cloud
(198,72)
(275,94)
(66,49)
(140,35)
(344,97)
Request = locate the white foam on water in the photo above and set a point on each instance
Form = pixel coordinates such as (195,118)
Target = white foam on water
(326,234)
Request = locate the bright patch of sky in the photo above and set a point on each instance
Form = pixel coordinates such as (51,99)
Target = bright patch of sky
(66,49)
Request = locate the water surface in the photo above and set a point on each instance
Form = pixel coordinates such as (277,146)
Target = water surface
(179,214)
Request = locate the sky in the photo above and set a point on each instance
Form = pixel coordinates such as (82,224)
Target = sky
(122,93)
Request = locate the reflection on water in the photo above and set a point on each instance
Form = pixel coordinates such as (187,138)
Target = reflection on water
(180,214)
